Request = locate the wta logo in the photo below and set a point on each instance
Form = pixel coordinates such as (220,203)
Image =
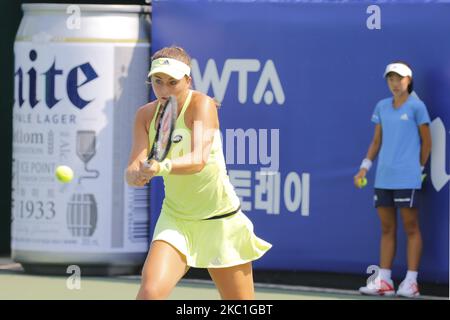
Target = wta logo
(36,84)
(266,74)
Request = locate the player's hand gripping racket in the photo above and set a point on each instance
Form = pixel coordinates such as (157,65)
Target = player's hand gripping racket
(164,130)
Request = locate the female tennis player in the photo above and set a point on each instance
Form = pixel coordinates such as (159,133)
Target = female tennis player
(201,224)
(402,138)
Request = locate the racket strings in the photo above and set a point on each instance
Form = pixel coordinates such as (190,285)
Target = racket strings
(166,123)
(156,148)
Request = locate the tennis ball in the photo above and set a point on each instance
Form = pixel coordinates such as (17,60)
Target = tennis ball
(64,174)
(362,182)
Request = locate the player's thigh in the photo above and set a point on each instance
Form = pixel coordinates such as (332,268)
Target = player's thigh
(384,202)
(388,218)
(163,268)
(234,283)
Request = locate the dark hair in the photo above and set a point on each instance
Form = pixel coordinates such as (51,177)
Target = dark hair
(411,84)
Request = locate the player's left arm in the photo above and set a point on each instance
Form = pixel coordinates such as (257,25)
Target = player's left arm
(425,145)
(204,125)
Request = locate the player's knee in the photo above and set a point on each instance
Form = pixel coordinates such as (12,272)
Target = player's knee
(388,229)
(411,228)
(151,292)
(233,293)
(238,296)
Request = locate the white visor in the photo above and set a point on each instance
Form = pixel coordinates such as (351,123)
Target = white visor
(398,68)
(174,68)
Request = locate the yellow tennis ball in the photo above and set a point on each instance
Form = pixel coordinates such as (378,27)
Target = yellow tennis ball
(64,174)
(362,182)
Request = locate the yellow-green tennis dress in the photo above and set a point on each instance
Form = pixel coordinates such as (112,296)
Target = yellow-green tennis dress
(187,220)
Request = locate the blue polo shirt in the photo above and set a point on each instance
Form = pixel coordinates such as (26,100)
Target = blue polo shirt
(399,157)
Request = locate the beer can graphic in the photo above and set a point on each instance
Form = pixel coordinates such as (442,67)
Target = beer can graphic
(80,75)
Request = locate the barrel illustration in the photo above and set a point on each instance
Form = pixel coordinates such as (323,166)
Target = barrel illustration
(82,215)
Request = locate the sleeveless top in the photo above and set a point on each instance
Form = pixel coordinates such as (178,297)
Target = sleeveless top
(202,195)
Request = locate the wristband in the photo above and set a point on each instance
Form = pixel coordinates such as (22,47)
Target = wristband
(366,164)
(165,167)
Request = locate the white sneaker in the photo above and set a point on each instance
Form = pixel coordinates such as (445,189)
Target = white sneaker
(408,289)
(379,287)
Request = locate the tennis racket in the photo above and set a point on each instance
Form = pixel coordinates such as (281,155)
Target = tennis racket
(164,130)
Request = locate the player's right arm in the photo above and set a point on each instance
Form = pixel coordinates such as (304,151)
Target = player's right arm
(139,149)
(372,153)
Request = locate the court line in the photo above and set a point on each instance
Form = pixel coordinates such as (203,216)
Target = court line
(306,289)
(295,289)
(10,266)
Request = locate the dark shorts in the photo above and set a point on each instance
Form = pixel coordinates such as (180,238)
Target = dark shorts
(402,198)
